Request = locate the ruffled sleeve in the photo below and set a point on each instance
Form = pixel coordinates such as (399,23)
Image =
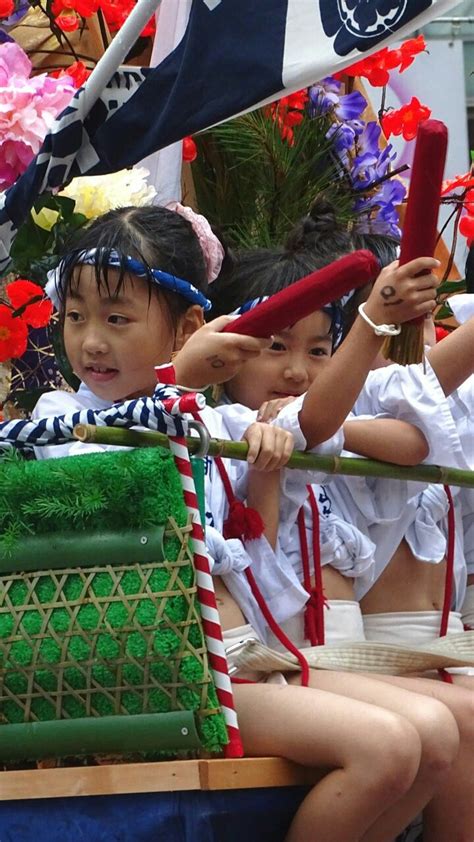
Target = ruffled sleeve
(414,395)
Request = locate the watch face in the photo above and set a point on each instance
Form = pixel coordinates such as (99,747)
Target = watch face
(362,24)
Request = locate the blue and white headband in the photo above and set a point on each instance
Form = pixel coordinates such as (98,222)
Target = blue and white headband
(333,310)
(181,287)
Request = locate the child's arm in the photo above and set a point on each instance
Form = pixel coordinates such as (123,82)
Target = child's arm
(209,356)
(269,450)
(387,439)
(452,360)
(397,296)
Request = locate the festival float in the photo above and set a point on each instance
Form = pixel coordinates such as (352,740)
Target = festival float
(116,703)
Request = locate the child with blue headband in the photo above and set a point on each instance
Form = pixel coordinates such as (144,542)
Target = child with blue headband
(131,295)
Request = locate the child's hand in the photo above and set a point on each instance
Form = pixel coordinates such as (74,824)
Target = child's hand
(270,409)
(269,447)
(210,357)
(398,295)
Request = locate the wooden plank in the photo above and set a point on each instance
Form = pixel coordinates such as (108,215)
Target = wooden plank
(166,776)
(254,773)
(113,779)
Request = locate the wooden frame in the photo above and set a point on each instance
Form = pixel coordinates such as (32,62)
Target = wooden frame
(166,776)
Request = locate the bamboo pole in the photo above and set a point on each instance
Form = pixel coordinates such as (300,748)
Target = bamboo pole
(357,467)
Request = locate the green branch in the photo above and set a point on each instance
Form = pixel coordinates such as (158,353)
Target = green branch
(357,467)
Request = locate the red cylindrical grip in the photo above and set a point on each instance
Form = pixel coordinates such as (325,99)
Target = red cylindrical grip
(307,295)
(421,216)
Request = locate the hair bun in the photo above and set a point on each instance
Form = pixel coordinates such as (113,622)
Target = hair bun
(321,219)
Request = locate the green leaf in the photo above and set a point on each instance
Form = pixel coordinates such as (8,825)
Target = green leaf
(452,286)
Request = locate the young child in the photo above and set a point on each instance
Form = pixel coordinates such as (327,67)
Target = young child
(288,368)
(123,314)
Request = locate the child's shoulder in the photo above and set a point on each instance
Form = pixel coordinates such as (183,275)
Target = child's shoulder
(58,402)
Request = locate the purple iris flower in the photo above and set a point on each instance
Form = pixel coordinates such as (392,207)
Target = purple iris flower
(368,141)
(4,37)
(350,106)
(342,136)
(321,101)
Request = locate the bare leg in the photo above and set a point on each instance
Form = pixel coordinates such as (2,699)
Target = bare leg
(436,728)
(450,813)
(372,755)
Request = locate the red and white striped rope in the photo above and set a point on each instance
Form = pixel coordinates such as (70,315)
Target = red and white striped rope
(204,583)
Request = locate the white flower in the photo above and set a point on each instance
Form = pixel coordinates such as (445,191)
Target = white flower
(97,194)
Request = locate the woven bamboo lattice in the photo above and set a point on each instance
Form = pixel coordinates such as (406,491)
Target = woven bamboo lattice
(106,640)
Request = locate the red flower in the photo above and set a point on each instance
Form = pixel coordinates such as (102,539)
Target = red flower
(189,149)
(7,7)
(441,333)
(376,68)
(13,334)
(464,181)
(405,120)
(77,71)
(409,50)
(36,314)
(466,227)
(289,112)
(67,21)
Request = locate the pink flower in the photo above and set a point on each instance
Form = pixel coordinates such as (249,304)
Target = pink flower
(27,110)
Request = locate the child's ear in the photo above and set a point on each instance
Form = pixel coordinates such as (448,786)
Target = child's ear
(189,323)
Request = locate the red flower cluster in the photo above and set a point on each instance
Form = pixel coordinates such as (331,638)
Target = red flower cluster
(289,112)
(68,13)
(7,7)
(28,307)
(116,13)
(376,68)
(405,120)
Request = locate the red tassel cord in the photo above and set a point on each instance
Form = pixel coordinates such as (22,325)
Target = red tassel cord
(448,584)
(314,610)
(250,522)
(318,577)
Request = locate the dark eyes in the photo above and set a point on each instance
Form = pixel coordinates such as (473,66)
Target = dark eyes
(115,319)
(314,352)
(73,316)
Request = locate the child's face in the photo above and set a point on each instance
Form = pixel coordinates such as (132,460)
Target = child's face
(114,342)
(288,367)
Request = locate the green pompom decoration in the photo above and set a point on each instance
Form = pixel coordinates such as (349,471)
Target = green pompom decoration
(117,615)
(78,649)
(6,625)
(88,617)
(109,639)
(75,678)
(21,653)
(102,584)
(146,613)
(60,619)
(31,622)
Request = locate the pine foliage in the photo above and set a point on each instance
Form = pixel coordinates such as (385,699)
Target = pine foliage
(255,185)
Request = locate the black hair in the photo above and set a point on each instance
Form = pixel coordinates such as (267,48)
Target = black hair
(157,237)
(386,249)
(314,242)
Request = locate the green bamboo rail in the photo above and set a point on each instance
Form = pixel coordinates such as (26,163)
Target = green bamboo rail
(175,731)
(357,467)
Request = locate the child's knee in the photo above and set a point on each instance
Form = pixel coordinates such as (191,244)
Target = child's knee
(439,735)
(393,755)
